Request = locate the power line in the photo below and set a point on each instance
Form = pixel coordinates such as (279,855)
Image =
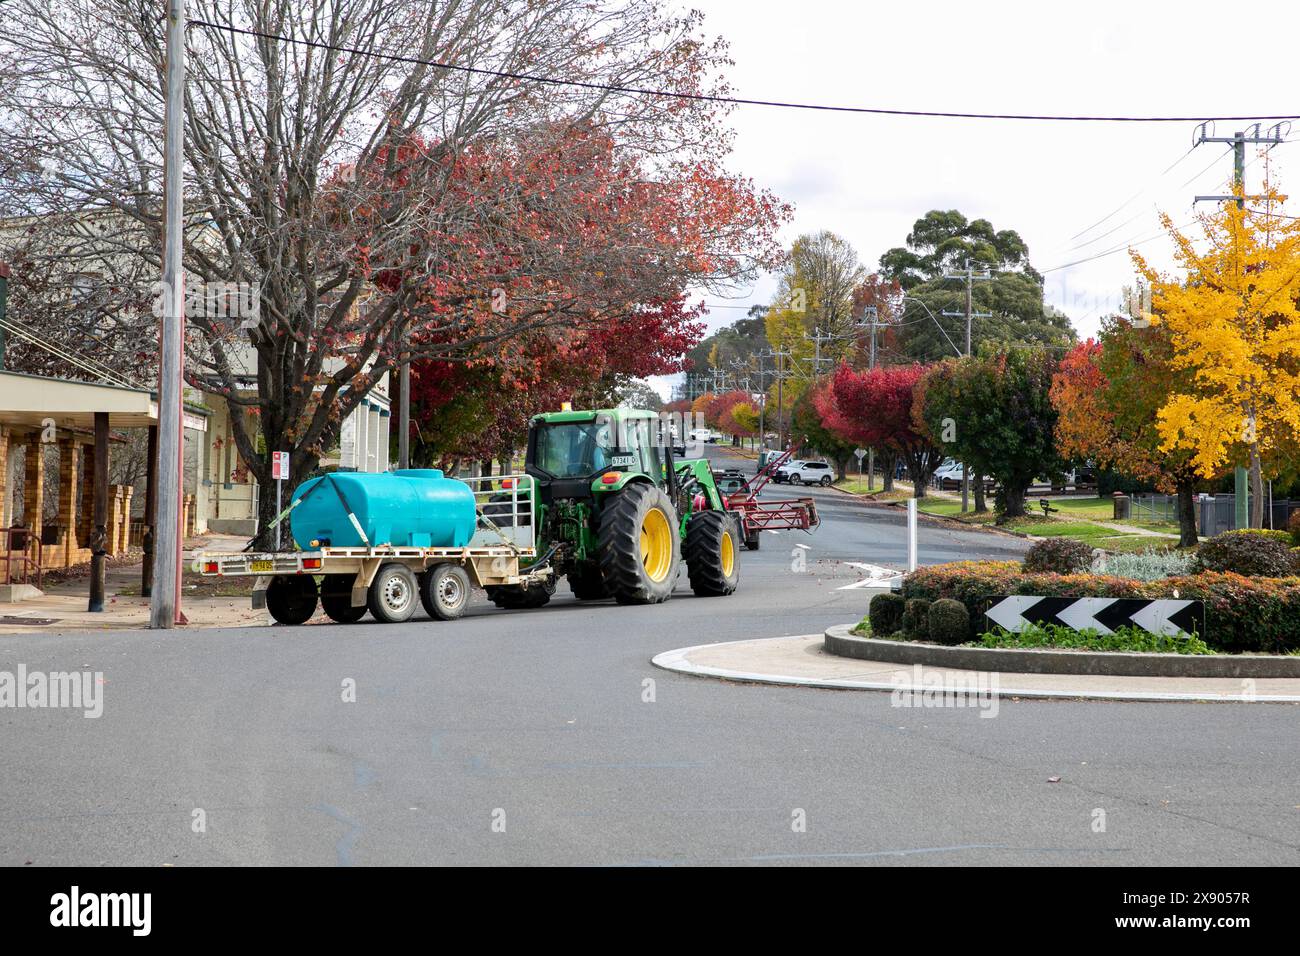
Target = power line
(1112,251)
(1168,169)
(733,100)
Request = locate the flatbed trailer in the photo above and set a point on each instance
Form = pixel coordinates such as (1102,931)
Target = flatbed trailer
(388,580)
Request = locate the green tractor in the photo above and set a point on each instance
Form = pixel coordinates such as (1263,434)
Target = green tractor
(617,513)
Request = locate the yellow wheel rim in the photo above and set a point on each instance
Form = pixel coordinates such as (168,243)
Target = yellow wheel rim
(728,554)
(656,545)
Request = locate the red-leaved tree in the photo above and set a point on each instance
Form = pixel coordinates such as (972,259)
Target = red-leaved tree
(874,407)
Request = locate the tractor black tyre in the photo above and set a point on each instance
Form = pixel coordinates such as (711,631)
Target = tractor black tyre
(394,594)
(710,552)
(336,599)
(513,597)
(639,518)
(587,583)
(291,598)
(444,591)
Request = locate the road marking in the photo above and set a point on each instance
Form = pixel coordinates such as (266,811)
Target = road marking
(875,576)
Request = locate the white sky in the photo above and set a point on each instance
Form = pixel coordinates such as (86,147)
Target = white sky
(868,178)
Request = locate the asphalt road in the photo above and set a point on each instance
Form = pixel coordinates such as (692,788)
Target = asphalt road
(533,737)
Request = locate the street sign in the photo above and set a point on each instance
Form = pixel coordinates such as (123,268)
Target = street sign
(280,465)
(861,453)
(1163,616)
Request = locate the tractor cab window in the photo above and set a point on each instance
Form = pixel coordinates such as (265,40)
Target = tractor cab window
(572,449)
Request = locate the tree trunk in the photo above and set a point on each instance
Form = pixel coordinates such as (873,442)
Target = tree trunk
(981,506)
(841,469)
(1187,514)
(1256,489)
(1012,501)
(887,463)
(485,467)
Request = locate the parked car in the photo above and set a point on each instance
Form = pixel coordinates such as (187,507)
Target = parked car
(811,473)
(782,474)
(948,476)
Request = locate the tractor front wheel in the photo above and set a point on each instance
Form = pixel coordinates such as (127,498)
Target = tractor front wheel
(710,552)
(515,597)
(639,545)
(587,584)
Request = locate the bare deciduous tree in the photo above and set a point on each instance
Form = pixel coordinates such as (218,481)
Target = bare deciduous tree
(322,159)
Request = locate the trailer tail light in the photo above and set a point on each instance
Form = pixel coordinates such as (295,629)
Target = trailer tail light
(211,567)
(609,477)
(507,482)
(311,564)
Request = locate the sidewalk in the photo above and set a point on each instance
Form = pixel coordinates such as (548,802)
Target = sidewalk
(62,608)
(800,661)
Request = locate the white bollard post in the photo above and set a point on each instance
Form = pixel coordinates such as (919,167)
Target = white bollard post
(911,534)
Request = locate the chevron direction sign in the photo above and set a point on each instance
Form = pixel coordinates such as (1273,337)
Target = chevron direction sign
(1163,616)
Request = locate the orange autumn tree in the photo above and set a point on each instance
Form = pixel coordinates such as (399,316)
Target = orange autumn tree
(1234,325)
(1107,394)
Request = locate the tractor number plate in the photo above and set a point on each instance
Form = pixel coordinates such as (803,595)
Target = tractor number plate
(622,461)
(258,567)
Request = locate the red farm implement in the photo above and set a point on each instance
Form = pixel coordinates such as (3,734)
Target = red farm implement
(773,514)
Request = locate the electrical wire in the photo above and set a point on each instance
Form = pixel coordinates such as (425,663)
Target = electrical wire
(733,100)
(72,357)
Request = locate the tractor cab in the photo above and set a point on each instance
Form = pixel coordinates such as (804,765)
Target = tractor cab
(571,454)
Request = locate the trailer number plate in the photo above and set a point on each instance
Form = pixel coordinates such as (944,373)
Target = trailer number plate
(257,567)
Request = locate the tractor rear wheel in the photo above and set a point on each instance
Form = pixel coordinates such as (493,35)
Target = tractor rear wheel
(587,584)
(639,545)
(336,599)
(291,598)
(710,553)
(515,597)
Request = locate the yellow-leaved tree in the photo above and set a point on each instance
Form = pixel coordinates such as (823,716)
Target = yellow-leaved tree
(1234,324)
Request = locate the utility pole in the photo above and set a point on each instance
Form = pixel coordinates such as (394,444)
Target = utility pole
(970,276)
(404,416)
(873,315)
(1238,140)
(164,603)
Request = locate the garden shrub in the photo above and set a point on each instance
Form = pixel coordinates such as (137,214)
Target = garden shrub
(1256,552)
(1148,565)
(1058,556)
(1293,526)
(916,619)
(886,614)
(1242,615)
(948,622)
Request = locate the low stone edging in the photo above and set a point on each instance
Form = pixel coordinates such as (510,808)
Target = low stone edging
(840,642)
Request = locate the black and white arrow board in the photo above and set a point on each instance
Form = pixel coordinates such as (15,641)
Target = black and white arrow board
(1163,616)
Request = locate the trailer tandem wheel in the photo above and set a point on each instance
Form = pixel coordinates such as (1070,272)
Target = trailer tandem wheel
(444,591)
(291,598)
(393,594)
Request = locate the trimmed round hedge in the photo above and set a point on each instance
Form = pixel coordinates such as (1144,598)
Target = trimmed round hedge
(886,614)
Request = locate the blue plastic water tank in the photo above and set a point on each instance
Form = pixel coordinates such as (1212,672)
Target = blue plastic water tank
(414,507)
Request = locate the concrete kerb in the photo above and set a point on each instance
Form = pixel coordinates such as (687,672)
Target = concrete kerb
(840,641)
(801,661)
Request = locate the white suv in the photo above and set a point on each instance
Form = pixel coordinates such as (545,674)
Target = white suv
(811,473)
